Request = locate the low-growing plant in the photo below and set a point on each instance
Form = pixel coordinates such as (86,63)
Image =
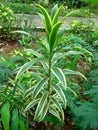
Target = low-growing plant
(7,21)
(11,103)
(86,114)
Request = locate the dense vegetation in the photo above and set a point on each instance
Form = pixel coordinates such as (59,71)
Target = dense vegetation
(51,81)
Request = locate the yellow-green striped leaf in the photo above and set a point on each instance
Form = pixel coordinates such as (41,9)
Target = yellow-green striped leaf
(44,112)
(68,72)
(54,112)
(26,66)
(32,104)
(38,87)
(34,52)
(54,10)
(40,107)
(53,35)
(47,18)
(55,18)
(60,93)
(58,106)
(60,76)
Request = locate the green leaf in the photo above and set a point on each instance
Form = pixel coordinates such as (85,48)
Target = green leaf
(22,32)
(55,18)
(67,71)
(34,52)
(29,92)
(15,119)
(60,93)
(31,104)
(41,16)
(5,115)
(61,32)
(38,87)
(54,10)
(47,18)
(53,35)
(60,76)
(21,124)
(58,106)
(44,112)
(54,112)
(40,107)
(27,66)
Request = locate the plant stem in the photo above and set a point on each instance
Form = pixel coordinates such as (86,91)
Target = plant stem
(49,73)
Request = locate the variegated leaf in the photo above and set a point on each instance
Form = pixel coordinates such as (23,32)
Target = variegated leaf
(40,107)
(38,87)
(58,106)
(26,66)
(60,76)
(60,93)
(71,72)
(32,104)
(47,18)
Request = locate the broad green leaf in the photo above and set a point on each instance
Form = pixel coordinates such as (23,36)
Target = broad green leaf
(38,87)
(60,76)
(67,72)
(60,93)
(54,112)
(5,115)
(21,124)
(15,119)
(40,107)
(47,18)
(55,18)
(53,35)
(54,10)
(58,106)
(26,66)
(34,52)
(31,104)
